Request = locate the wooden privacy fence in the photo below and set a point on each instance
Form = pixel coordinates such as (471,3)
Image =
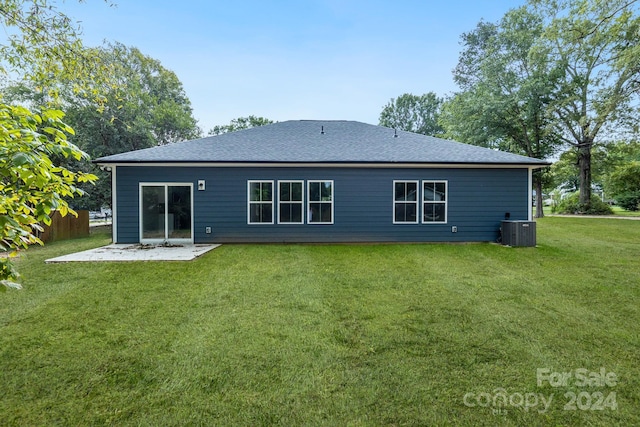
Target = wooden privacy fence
(67,227)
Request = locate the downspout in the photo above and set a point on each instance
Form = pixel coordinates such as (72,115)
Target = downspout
(530,195)
(114,206)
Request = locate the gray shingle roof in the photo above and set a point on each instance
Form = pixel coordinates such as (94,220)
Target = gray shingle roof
(301,141)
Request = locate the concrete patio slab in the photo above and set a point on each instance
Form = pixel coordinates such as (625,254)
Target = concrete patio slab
(137,252)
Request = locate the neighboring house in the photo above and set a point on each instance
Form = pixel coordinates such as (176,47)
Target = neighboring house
(317,181)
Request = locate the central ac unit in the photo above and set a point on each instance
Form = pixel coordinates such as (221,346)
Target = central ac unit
(519,233)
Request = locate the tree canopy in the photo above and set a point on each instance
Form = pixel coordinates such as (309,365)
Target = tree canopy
(147,108)
(413,113)
(239,124)
(44,46)
(41,46)
(620,173)
(594,45)
(550,74)
(506,91)
(625,185)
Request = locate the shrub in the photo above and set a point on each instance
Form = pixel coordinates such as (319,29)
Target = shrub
(625,185)
(629,201)
(571,205)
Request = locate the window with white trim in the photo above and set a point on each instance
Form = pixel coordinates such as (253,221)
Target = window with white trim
(434,201)
(320,202)
(405,202)
(290,202)
(260,195)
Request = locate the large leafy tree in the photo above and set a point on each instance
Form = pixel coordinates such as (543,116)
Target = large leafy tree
(239,124)
(595,45)
(506,91)
(146,107)
(42,44)
(413,113)
(625,185)
(621,177)
(465,118)
(564,173)
(606,159)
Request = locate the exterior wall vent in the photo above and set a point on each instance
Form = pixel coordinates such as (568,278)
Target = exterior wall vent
(519,233)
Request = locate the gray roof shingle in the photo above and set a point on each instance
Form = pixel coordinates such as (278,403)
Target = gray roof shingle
(301,141)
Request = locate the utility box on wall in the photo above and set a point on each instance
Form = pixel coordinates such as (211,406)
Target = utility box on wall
(519,233)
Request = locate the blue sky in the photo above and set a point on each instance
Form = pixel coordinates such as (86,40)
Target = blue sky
(319,59)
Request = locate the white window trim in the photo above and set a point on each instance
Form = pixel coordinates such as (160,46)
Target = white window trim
(309,201)
(417,202)
(301,202)
(446,200)
(166,186)
(249,202)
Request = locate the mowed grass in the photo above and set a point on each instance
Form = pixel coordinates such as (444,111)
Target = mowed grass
(329,334)
(618,211)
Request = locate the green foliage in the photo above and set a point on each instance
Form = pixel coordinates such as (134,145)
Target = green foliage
(614,170)
(621,173)
(149,107)
(240,123)
(8,270)
(566,174)
(595,48)
(464,119)
(43,47)
(625,185)
(506,92)
(550,73)
(629,200)
(413,113)
(32,186)
(572,205)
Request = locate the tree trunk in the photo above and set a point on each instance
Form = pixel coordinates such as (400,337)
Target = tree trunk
(584,164)
(537,182)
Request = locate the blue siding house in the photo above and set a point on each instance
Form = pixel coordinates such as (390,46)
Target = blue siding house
(317,181)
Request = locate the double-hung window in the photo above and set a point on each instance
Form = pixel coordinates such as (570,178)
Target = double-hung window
(320,202)
(405,202)
(290,202)
(434,201)
(260,202)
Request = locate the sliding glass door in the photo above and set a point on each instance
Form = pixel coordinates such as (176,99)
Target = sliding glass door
(166,213)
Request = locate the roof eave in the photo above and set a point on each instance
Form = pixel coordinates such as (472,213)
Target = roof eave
(246,163)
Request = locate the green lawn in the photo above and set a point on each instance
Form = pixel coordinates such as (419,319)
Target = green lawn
(330,334)
(617,211)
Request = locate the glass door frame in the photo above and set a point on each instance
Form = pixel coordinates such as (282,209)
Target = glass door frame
(166,238)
